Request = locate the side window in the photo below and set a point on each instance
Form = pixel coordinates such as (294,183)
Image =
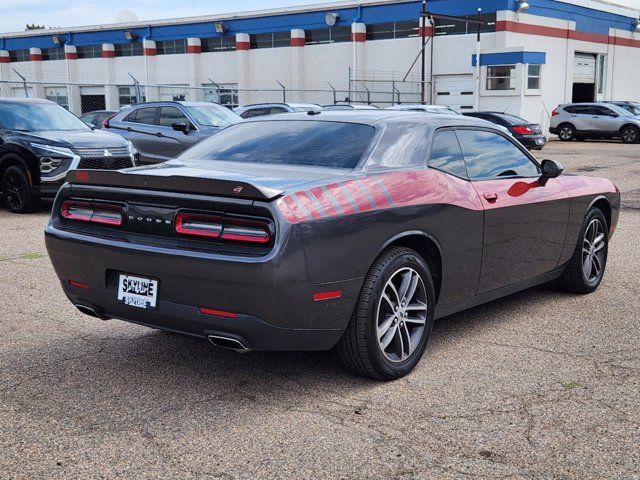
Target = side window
(275,110)
(604,111)
(171,115)
(255,112)
(143,115)
(446,154)
(579,109)
(489,155)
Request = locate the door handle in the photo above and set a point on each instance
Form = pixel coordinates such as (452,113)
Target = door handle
(490,197)
(158,134)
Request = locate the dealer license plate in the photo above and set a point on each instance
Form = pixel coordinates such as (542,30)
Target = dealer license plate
(540,141)
(137,292)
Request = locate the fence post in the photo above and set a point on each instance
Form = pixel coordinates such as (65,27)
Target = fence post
(24,83)
(368,94)
(335,100)
(393,94)
(284,92)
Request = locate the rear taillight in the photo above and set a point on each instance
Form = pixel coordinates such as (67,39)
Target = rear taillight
(214,226)
(522,130)
(92,212)
(555,112)
(105,122)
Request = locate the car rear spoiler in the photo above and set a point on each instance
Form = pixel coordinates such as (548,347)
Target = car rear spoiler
(173,183)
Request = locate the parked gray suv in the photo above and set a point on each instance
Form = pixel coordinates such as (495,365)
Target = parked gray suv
(161,131)
(594,120)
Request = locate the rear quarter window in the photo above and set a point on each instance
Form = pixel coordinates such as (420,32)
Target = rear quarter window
(288,142)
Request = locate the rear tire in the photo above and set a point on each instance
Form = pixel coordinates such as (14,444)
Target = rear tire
(586,268)
(566,132)
(393,319)
(630,135)
(16,191)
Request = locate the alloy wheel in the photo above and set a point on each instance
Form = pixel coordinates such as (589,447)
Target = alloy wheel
(15,190)
(565,133)
(593,251)
(401,315)
(630,135)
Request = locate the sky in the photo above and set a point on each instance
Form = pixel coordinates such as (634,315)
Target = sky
(15,14)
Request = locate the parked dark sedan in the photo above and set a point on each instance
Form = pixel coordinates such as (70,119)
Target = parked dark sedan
(97,118)
(163,130)
(528,134)
(40,142)
(306,231)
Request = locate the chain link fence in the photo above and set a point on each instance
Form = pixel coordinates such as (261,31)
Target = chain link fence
(88,97)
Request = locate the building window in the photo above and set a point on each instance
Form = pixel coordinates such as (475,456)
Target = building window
(223,93)
(56,53)
(218,44)
(327,35)
(387,31)
(58,95)
(170,47)
(270,40)
(19,55)
(133,49)
(501,77)
(533,77)
(89,51)
(460,27)
(127,95)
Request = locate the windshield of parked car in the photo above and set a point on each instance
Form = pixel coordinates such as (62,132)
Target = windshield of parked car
(633,108)
(38,117)
(213,116)
(288,142)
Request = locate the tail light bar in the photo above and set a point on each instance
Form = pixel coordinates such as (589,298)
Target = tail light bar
(555,112)
(224,228)
(522,130)
(92,212)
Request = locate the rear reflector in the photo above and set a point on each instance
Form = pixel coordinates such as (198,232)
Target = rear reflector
(327,295)
(81,285)
(522,130)
(231,229)
(91,212)
(217,313)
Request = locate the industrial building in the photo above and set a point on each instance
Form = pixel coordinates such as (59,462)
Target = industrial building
(533,55)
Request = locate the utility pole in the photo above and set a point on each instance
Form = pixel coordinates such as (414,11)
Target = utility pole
(423,17)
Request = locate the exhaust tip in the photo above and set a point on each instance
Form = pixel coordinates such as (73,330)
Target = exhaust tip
(90,311)
(227,342)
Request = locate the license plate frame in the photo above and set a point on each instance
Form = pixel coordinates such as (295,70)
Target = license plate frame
(138,291)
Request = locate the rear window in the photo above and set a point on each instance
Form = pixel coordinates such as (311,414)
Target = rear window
(513,120)
(306,142)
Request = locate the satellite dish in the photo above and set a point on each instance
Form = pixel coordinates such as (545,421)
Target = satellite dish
(331,19)
(126,16)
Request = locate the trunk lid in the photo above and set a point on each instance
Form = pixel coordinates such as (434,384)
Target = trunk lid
(239,180)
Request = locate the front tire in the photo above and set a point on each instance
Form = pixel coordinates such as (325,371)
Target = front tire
(585,270)
(393,319)
(566,132)
(630,135)
(16,190)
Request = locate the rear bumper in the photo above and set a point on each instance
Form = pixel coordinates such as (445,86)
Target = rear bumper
(271,296)
(553,130)
(533,141)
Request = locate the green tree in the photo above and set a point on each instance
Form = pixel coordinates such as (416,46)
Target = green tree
(33,26)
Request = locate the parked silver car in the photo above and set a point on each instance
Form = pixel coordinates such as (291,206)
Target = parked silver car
(594,120)
(262,109)
(161,131)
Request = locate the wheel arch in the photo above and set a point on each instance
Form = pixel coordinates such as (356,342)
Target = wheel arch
(427,246)
(628,125)
(11,158)
(602,202)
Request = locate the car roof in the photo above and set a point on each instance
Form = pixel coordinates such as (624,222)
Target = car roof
(24,100)
(378,117)
(171,102)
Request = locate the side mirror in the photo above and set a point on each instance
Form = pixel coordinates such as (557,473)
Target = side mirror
(180,127)
(550,169)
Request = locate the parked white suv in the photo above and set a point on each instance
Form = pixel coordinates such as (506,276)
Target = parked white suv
(594,120)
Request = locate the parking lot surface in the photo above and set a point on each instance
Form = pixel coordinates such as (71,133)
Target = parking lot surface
(537,385)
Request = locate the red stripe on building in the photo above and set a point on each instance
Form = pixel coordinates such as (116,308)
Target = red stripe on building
(313,207)
(588,37)
(325,201)
(297,42)
(35,57)
(624,42)
(341,198)
(150,52)
(108,54)
(243,46)
(358,36)
(5,59)
(194,49)
(71,55)
(425,31)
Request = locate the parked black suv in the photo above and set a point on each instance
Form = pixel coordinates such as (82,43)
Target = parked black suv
(40,141)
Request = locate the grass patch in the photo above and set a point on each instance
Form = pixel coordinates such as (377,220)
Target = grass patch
(32,256)
(571,385)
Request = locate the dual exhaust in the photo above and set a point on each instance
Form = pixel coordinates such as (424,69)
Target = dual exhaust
(217,340)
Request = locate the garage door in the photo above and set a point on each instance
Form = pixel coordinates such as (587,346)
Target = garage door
(455,91)
(584,68)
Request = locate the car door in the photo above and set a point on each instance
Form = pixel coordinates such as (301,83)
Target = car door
(605,121)
(525,220)
(170,143)
(139,127)
(581,117)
